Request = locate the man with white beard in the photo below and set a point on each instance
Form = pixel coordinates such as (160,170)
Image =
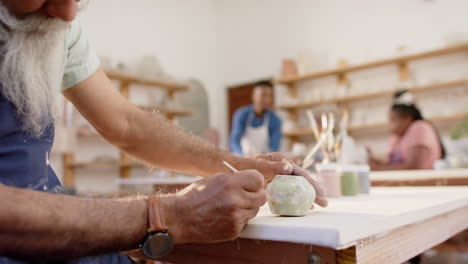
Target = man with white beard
(44,50)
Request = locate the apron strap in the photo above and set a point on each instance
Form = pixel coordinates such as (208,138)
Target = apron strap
(251,116)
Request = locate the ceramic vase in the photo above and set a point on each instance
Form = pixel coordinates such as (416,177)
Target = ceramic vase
(290,195)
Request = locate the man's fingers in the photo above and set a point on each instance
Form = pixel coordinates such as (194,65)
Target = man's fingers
(322,201)
(300,171)
(283,168)
(255,199)
(250,213)
(275,157)
(321,193)
(250,180)
(318,188)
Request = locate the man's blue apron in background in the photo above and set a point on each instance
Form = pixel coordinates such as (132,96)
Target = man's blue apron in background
(24,163)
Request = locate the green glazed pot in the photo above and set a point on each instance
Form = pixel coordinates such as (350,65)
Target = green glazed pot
(290,195)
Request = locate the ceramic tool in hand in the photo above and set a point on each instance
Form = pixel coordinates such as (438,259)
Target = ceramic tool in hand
(230,167)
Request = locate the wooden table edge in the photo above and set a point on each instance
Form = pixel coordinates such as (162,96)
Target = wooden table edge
(396,246)
(411,240)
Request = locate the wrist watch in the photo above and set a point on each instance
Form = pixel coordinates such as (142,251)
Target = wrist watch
(157,242)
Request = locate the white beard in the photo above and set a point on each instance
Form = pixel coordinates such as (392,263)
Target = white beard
(31,67)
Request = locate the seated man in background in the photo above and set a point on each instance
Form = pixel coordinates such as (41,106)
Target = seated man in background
(43,48)
(256,129)
(415,143)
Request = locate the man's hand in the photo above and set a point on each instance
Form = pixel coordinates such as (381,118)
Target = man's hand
(214,209)
(273,164)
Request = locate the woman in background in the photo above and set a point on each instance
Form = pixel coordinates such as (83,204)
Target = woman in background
(415,143)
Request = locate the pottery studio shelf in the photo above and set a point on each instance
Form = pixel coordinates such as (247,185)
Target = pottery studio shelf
(170,114)
(105,164)
(341,73)
(70,166)
(170,87)
(124,164)
(400,60)
(307,132)
(358,97)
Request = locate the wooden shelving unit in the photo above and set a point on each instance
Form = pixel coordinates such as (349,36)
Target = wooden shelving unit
(170,87)
(125,164)
(341,75)
(105,164)
(307,132)
(401,60)
(169,113)
(352,98)
(298,132)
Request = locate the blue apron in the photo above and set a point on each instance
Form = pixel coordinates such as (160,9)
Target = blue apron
(24,163)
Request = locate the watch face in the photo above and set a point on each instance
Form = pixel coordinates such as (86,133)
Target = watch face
(157,245)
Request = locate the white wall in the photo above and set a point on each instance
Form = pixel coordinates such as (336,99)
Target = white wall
(254,36)
(181,33)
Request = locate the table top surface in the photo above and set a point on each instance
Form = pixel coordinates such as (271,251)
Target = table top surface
(349,219)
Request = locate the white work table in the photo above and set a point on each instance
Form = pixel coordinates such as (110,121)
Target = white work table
(391,225)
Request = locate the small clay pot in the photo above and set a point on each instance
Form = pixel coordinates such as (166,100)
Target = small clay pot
(290,195)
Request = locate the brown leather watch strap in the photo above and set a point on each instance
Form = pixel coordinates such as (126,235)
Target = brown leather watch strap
(155,215)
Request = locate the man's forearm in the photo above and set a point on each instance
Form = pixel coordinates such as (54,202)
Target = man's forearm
(141,134)
(165,146)
(36,225)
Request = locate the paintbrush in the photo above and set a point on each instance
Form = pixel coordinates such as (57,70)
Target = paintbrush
(323,118)
(315,129)
(330,138)
(230,167)
(323,134)
(308,159)
(313,124)
(330,126)
(343,132)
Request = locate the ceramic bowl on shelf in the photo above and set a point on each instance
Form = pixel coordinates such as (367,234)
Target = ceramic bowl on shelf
(290,195)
